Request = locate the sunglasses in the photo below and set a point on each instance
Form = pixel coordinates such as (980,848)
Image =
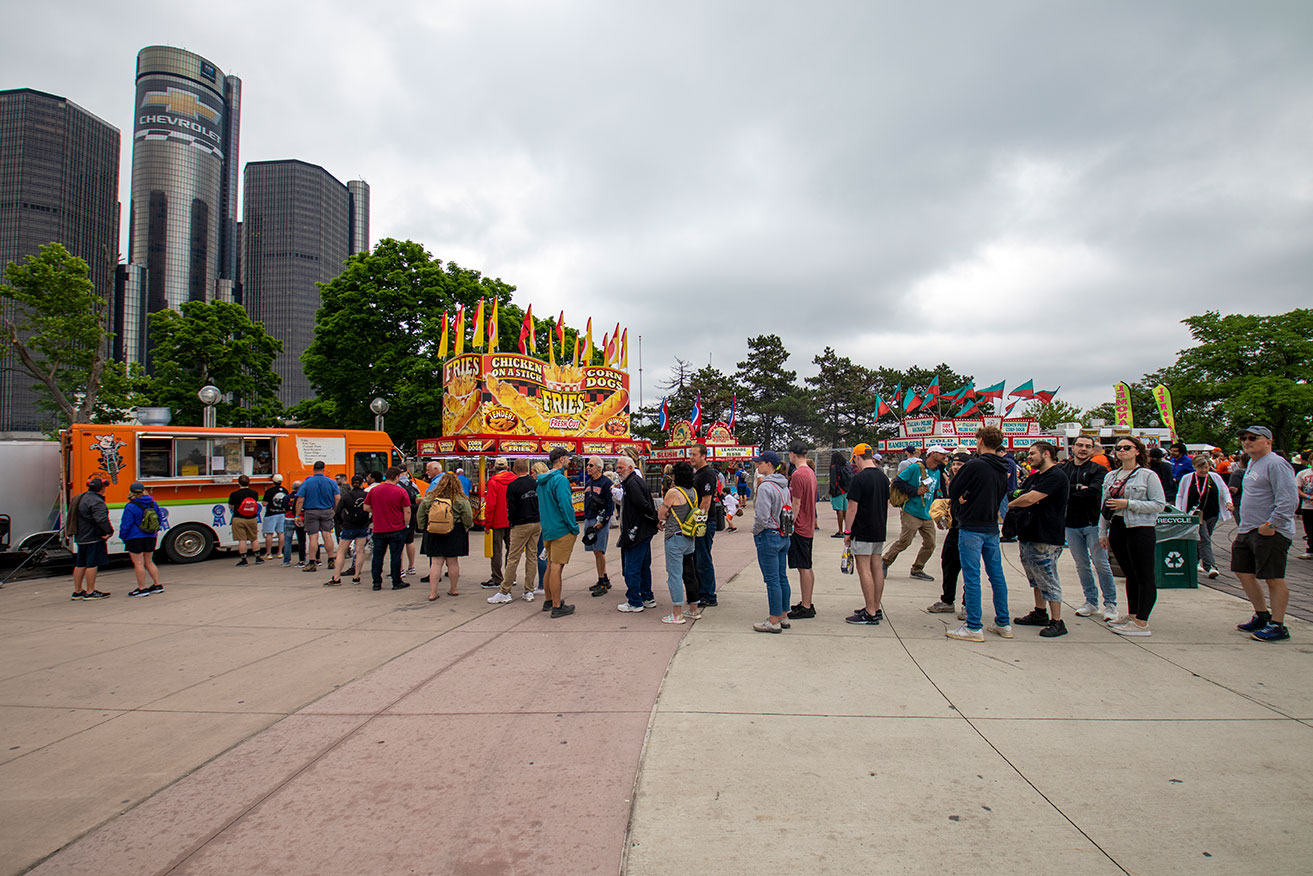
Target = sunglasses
(1248,437)
(1121,447)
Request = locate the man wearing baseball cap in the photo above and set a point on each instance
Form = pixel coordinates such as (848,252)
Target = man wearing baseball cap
(920,483)
(88,517)
(1266,531)
(772,547)
(864,531)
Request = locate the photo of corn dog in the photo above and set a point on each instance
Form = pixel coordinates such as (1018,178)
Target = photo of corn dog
(606,409)
(461,409)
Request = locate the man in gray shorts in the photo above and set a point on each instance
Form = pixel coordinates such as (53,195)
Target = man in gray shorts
(864,531)
(1267,529)
(318,496)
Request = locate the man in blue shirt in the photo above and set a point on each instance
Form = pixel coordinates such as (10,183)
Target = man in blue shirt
(317,498)
(920,483)
(464,481)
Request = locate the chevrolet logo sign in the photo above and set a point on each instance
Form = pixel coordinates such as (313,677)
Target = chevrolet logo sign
(178,102)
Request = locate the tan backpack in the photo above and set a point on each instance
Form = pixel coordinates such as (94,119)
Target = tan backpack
(442,517)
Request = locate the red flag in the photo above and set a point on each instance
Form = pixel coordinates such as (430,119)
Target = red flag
(916,402)
(526,331)
(560,333)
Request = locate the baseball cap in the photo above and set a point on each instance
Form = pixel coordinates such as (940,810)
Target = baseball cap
(278,479)
(935,448)
(1257,430)
(95,485)
(136,487)
(767,456)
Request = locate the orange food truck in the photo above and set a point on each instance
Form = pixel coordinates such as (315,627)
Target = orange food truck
(191,471)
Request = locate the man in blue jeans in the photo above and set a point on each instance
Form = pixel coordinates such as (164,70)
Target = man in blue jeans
(389,507)
(772,548)
(976,494)
(707,486)
(1085,478)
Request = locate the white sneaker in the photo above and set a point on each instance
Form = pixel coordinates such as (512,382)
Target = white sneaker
(649,603)
(538,591)
(1212,573)
(1130,628)
(1306,555)
(1110,614)
(528,597)
(1086,610)
(625,606)
(498,598)
(965,634)
(1005,631)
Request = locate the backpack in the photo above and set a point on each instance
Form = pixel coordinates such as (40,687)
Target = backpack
(278,502)
(897,497)
(412,491)
(786,520)
(150,520)
(249,507)
(442,517)
(694,525)
(354,514)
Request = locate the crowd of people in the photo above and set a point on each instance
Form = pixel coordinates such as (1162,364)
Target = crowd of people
(974,499)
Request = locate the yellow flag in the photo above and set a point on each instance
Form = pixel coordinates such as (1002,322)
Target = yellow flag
(588,342)
(1122,405)
(460,329)
(492,328)
(551,348)
(442,345)
(478,326)
(624,350)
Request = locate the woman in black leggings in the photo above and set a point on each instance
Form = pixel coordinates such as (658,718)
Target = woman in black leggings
(1132,499)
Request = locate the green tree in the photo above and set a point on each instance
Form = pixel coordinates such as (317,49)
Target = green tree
(842,401)
(54,324)
(214,342)
(772,408)
(377,333)
(1053,413)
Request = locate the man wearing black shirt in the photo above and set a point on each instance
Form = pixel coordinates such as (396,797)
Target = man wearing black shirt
(977,495)
(638,524)
(864,531)
(706,484)
(1041,532)
(1085,491)
(522,514)
(245,505)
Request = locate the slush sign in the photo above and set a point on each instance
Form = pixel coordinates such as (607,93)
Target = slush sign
(167,107)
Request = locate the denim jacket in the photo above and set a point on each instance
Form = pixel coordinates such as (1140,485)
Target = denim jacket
(1144,492)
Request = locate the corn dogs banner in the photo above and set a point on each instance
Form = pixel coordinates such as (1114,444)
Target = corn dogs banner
(513,395)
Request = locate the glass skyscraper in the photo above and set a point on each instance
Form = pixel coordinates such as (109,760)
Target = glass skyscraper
(59,183)
(182,233)
(299,225)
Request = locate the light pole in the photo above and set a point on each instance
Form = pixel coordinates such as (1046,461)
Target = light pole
(209,396)
(380,407)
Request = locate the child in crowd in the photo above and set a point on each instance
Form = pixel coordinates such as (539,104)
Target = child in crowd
(731,500)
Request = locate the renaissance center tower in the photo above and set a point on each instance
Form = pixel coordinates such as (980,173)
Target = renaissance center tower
(182,238)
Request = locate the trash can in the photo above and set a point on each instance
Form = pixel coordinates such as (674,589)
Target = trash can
(1176,555)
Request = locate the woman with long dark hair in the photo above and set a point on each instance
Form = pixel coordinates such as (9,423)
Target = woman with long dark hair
(840,476)
(1132,499)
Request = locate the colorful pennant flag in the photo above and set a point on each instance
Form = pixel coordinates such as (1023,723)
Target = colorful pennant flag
(493,333)
(913,402)
(624,349)
(994,392)
(898,397)
(477,340)
(588,342)
(606,345)
(932,391)
(733,404)
(1045,396)
(560,333)
(1026,390)
(442,344)
(881,407)
(697,413)
(526,331)
(460,330)
(969,408)
(1011,405)
(664,423)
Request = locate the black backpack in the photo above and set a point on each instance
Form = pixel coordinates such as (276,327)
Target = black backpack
(354,514)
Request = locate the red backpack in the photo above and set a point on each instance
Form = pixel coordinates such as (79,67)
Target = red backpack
(249,507)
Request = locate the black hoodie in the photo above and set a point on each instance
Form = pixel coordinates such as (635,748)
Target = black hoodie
(977,491)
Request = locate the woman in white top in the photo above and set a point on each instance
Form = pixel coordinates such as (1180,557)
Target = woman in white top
(1206,494)
(1132,499)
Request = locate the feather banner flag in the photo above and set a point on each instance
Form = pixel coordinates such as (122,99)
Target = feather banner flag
(442,344)
(1163,396)
(696,419)
(664,422)
(477,341)
(733,406)
(1122,405)
(588,342)
(460,330)
(606,345)
(560,333)
(624,349)
(492,328)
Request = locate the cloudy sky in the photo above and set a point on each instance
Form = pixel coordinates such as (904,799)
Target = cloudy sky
(1022,189)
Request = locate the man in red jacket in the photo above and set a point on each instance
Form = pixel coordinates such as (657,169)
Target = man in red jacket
(494,517)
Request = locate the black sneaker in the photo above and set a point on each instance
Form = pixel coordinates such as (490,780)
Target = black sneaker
(709,602)
(95,594)
(77,595)
(488,585)
(1257,622)
(563,611)
(140,591)
(862,617)
(424,580)
(547,604)
(1273,632)
(259,561)
(1053,630)
(402,586)
(1038,617)
(156,588)
(837,535)
(378,585)
(242,562)
(802,611)
(921,576)
(785,625)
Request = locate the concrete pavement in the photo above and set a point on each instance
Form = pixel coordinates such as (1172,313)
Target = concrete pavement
(253,721)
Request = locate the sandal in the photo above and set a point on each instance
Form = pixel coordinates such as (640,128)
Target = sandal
(449,593)
(671,619)
(433,597)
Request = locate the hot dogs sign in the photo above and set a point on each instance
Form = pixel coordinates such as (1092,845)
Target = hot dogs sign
(509,394)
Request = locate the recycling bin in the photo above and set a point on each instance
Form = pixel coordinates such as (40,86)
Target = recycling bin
(1176,554)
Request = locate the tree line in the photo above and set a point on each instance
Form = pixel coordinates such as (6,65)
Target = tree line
(377,332)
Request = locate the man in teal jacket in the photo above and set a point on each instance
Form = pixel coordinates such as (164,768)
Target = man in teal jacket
(556,511)
(921,484)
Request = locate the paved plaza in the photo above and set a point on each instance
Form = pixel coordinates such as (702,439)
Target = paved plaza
(252,721)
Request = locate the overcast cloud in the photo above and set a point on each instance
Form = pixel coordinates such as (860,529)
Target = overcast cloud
(1022,189)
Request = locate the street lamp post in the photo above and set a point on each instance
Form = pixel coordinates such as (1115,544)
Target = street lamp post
(209,396)
(380,407)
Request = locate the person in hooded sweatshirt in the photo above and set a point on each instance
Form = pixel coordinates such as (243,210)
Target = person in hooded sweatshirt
(976,495)
(772,548)
(559,529)
(140,541)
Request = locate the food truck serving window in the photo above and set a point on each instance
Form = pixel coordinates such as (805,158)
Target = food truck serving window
(192,456)
(372,460)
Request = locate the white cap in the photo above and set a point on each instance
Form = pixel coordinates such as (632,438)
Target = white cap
(278,479)
(936,448)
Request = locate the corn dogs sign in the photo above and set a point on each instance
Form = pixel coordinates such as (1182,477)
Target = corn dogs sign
(512,395)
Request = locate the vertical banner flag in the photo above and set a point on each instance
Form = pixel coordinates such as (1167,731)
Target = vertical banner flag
(588,342)
(478,327)
(624,349)
(560,333)
(1121,404)
(664,423)
(1163,396)
(460,329)
(442,344)
(578,348)
(606,345)
(492,328)
(697,413)
(733,406)
(551,346)
(526,329)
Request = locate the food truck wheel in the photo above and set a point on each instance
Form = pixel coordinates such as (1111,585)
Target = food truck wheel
(189,543)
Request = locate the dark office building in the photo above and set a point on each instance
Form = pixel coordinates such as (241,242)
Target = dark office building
(298,226)
(182,236)
(59,183)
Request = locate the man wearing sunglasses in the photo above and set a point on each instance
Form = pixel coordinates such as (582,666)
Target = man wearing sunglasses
(1267,529)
